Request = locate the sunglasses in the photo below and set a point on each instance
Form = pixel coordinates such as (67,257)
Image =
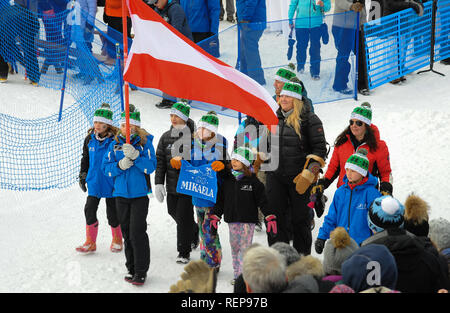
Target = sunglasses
(358,123)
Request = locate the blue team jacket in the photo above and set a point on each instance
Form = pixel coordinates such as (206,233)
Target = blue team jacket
(253,11)
(349,209)
(202,15)
(98,184)
(201,156)
(130,183)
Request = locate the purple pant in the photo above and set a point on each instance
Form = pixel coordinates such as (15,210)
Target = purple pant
(241,237)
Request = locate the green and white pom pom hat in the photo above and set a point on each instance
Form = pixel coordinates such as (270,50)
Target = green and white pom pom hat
(209,121)
(104,114)
(293,90)
(135,116)
(358,162)
(244,155)
(363,113)
(285,74)
(181,109)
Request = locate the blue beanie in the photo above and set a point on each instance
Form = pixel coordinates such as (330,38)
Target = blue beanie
(385,212)
(360,274)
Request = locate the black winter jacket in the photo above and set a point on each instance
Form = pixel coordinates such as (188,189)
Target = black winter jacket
(291,149)
(164,171)
(173,14)
(419,270)
(238,200)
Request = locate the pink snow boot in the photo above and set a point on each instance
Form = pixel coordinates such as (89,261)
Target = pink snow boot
(91,238)
(116,244)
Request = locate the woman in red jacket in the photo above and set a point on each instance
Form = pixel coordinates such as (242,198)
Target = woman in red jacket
(360,133)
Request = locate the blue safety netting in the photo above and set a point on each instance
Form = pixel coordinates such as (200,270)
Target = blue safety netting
(61,47)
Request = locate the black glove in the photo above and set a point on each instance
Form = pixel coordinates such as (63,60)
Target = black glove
(321,185)
(386,188)
(82,181)
(319,244)
(319,204)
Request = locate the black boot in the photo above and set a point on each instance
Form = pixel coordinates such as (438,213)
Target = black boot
(129,277)
(165,104)
(139,279)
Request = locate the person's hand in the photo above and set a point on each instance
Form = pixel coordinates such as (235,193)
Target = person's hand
(160,192)
(319,244)
(357,7)
(291,25)
(129,151)
(125,163)
(271,225)
(386,188)
(320,3)
(175,162)
(82,181)
(217,166)
(416,6)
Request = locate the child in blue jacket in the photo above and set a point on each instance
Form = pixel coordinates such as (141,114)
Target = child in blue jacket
(130,165)
(98,185)
(208,147)
(351,202)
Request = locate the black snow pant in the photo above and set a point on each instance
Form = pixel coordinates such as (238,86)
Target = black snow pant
(132,215)
(180,208)
(90,211)
(292,212)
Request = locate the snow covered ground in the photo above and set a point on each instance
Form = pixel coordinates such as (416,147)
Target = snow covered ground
(40,230)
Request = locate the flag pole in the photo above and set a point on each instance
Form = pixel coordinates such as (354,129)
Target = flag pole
(125,56)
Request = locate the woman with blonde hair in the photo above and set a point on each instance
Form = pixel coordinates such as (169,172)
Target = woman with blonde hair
(300,150)
(130,164)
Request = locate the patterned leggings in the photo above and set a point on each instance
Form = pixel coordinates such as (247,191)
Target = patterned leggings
(241,237)
(210,248)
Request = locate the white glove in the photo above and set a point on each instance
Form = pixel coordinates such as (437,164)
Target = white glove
(125,163)
(160,192)
(129,151)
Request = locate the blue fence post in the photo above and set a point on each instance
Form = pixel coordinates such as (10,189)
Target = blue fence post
(122,105)
(63,88)
(238,61)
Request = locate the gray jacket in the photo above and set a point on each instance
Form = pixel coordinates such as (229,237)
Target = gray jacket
(346,20)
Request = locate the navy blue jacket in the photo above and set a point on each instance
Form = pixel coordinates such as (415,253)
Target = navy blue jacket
(174,14)
(132,182)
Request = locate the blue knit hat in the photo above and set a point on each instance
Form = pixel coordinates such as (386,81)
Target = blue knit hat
(385,212)
(370,266)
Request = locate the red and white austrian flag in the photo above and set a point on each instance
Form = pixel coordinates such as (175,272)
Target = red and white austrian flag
(162,58)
